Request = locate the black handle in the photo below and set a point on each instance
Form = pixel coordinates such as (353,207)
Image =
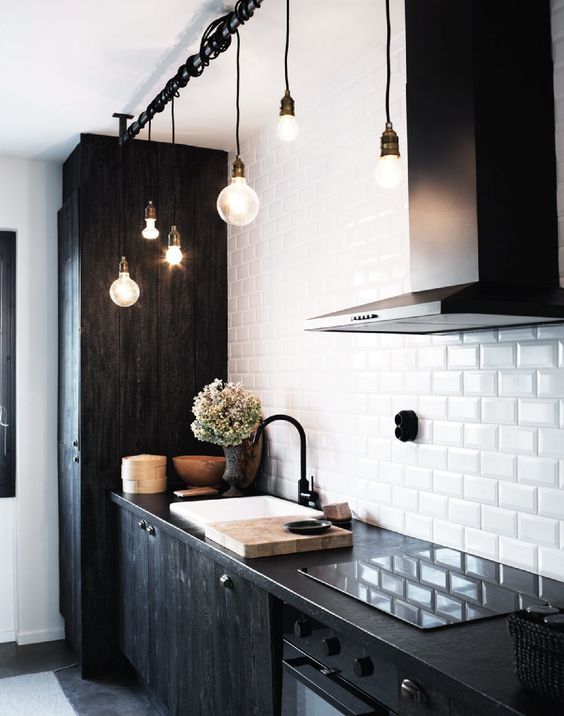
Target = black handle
(142,525)
(76,458)
(75,443)
(151,530)
(327,684)
(412,692)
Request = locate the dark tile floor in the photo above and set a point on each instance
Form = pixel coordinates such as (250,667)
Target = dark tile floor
(120,696)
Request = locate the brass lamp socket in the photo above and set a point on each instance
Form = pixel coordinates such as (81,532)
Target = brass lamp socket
(173,237)
(287,105)
(389,143)
(150,211)
(238,169)
(123,265)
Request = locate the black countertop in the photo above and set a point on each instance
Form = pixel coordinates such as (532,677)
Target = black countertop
(472,661)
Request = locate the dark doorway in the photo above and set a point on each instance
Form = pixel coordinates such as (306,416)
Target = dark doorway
(7,363)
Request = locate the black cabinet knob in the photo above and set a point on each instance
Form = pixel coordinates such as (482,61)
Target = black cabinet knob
(363,666)
(412,691)
(76,458)
(75,443)
(226,581)
(407,425)
(142,525)
(151,530)
(331,646)
(302,628)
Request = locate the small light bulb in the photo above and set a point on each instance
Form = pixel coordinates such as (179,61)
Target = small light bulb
(238,204)
(388,169)
(150,231)
(174,252)
(124,292)
(287,126)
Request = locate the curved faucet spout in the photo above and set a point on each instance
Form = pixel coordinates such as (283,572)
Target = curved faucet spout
(299,428)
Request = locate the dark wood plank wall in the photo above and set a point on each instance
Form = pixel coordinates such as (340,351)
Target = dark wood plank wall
(139,367)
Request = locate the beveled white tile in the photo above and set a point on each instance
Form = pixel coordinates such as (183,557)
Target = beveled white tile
(522,498)
(405,499)
(551,503)
(537,471)
(433,505)
(517,383)
(501,355)
(431,406)
(551,384)
(537,354)
(499,464)
(419,478)
(445,433)
(541,413)
(464,513)
(518,554)
(481,489)
(499,410)
(551,442)
(481,382)
(433,456)
(483,544)
(500,521)
(464,460)
(449,534)
(551,562)
(540,530)
(464,409)
(419,526)
(448,483)
(463,356)
(482,437)
(447,383)
(519,440)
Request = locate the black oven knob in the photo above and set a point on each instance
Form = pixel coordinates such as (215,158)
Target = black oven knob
(331,646)
(363,666)
(302,628)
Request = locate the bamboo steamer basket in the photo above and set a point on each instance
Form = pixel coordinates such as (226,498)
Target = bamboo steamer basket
(143,474)
(144,487)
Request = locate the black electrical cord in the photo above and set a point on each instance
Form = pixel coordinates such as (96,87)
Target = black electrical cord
(173,150)
(150,165)
(237,94)
(388,61)
(287,44)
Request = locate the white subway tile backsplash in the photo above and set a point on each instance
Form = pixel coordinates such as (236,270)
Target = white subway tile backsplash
(486,472)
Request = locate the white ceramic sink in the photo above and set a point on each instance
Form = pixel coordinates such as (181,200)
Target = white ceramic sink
(239,508)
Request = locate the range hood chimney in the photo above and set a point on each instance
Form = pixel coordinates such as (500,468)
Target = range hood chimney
(481,173)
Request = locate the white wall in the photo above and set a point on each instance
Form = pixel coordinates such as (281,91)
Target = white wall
(30,194)
(486,473)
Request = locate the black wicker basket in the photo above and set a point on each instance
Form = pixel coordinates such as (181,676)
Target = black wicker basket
(538,655)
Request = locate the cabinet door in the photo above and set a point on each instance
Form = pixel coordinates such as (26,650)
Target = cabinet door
(172,617)
(133,575)
(233,649)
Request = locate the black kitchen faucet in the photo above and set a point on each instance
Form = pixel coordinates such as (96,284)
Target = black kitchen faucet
(306,495)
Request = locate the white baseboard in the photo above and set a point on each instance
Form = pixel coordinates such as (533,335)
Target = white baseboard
(7,636)
(34,637)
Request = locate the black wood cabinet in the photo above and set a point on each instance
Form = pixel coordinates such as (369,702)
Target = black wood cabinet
(206,641)
(127,377)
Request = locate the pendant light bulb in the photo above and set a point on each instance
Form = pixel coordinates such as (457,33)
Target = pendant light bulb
(174,252)
(150,231)
(388,172)
(124,292)
(287,126)
(238,204)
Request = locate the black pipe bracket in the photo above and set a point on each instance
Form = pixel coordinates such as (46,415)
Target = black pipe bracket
(215,40)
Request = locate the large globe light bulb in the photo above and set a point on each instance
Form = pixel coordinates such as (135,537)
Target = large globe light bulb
(388,170)
(174,252)
(287,126)
(238,204)
(124,292)
(150,231)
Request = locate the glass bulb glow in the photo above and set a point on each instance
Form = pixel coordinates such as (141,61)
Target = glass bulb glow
(388,171)
(150,231)
(287,128)
(238,204)
(124,292)
(174,255)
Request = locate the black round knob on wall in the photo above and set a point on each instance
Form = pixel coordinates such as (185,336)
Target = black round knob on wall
(142,525)
(226,581)
(302,628)
(363,666)
(151,530)
(331,646)
(407,425)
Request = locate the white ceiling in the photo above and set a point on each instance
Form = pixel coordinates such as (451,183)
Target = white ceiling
(68,65)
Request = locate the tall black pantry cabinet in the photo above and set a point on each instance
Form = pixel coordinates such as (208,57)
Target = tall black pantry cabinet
(127,376)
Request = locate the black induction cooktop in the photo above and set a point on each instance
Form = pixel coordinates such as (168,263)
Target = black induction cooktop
(438,586)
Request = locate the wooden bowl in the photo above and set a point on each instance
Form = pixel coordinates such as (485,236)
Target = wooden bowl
(200,470)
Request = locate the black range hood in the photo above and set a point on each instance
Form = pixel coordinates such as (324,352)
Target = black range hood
(481,173)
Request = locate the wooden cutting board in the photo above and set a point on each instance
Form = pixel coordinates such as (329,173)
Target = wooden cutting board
(266,537)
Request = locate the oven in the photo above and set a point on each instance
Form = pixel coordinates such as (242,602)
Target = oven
(328,674)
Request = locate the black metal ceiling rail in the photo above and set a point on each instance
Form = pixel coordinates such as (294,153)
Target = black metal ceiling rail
(215,40)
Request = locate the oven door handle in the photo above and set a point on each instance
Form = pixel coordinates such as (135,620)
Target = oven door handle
(334,690)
